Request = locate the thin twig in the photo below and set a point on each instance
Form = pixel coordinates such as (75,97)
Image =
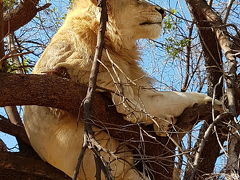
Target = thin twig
(203,141)
(206,134)
(188,57)
(89,134)
(1,35)
(229,7)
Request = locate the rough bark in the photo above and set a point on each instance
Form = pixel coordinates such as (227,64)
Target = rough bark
(210,26)
(1,35)
(213,63)
(15,166)
(19,16)
(14,130)
(3,147)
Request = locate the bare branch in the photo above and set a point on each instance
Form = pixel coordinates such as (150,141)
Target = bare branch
(3,147)
(228,9)
(14,130)
(188,57)
(11,164)
(21,15)
(203,141)
(87,103)
(204,12)
(2,53)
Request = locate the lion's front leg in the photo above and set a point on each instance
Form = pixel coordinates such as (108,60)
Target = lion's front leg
(148,105)
(166,106)
(173,103)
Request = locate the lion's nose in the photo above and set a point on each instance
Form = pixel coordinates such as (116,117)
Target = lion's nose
(161,11)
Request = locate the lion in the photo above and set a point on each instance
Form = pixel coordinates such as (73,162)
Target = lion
(54,134)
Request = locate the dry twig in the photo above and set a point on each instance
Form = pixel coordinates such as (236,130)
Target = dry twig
(203,141)
(89,140)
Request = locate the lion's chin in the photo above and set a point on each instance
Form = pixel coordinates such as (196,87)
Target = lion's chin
(152,31)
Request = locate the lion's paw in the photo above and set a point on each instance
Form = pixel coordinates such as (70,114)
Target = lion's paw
(204,99)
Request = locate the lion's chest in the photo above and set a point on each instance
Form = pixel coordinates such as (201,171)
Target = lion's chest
(112,70)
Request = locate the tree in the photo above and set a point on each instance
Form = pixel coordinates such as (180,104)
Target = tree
(204,50)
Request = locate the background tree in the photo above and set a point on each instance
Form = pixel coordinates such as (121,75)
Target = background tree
(198,51)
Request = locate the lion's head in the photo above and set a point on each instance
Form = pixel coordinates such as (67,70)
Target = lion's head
(131,19)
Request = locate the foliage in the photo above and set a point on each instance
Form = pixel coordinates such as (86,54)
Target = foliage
(8,4)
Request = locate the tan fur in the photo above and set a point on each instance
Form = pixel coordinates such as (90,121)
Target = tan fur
(55,136)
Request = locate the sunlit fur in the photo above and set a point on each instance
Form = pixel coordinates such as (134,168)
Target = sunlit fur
(54,134)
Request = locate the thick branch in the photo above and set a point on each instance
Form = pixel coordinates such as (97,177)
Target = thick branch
(213,62)
(21,15)
(201,147)
(3,147)
(13,166)
(14,130)
(1,35)
(203,12)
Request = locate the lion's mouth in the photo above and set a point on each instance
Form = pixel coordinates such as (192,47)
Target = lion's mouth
(150,23)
